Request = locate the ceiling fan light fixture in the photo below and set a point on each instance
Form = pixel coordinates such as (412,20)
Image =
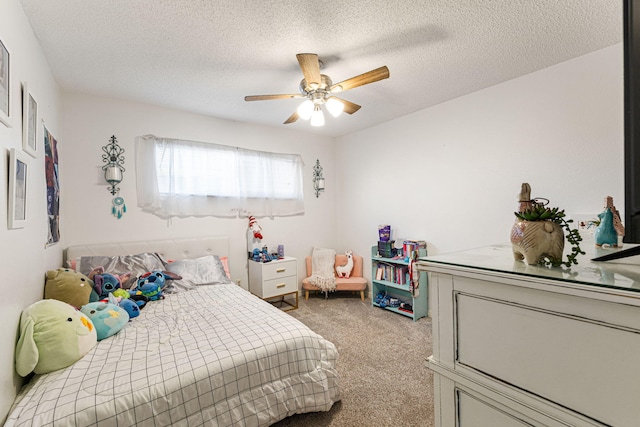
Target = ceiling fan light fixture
(318,88)
(335,107)
(317,118)
(305,109)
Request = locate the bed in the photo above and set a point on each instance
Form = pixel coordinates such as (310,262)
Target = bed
(213,355)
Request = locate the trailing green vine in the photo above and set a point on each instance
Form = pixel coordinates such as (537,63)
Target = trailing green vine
(540,212)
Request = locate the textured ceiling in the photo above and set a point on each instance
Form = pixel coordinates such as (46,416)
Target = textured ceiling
(204,56)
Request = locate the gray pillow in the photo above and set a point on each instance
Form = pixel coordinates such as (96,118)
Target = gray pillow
(121,264)
(206,270)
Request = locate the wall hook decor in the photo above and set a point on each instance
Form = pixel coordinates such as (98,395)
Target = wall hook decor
(113,169)
(318,179)
(113,158)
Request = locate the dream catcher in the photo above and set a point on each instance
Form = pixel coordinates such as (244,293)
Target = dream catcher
(118,207)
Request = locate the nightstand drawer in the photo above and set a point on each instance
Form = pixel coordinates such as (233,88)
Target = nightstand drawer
(279,286)
(279,269)
(275,278)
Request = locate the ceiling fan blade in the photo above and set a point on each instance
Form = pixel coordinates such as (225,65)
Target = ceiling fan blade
(292,118)
(310,67)
(363,79)
(270,97)
(349,107)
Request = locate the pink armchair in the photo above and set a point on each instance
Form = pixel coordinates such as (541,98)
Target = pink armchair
(355,282)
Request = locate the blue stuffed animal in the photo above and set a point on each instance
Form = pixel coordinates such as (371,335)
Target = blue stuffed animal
(262,255)
(130,306)
(105,283)
(140,300)
(107,318)
(151,284)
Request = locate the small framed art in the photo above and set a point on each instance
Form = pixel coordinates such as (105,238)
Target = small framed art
(29,128)
(4,85)
(18,178)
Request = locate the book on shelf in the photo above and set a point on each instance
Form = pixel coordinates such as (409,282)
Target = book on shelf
(398,274)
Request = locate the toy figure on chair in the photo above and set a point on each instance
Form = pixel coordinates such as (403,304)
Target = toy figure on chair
(345,270)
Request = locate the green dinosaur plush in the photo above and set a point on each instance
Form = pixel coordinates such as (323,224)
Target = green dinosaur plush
(53,335)
(69,286)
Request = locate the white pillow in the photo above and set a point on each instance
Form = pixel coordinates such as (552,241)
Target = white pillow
(206,270)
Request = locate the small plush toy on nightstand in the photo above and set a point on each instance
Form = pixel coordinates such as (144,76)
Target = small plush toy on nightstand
(254,236)
(53,335)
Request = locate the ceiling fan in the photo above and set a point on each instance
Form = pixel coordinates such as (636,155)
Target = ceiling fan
(319,90)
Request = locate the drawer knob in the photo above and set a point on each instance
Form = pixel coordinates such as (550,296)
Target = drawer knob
(281,285)
(281,270)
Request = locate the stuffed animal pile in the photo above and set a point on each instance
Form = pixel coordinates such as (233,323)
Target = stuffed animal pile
(77,312)
(109,289)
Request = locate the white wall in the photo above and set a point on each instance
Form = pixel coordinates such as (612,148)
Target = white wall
(451,174)
(24,257)
(89,122)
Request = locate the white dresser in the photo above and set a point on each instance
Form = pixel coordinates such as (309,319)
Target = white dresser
(275,279)
(519,345)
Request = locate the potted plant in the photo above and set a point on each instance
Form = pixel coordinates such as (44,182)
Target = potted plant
(537,236)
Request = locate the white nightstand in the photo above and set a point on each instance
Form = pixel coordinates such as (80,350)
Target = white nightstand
(275,279)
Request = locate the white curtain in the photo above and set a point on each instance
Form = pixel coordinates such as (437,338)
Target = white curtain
(177,178)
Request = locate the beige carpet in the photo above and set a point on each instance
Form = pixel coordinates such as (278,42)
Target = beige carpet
(383,379)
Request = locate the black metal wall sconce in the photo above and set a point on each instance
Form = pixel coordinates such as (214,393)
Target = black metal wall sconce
(318,179)
(113,169)
(113,158)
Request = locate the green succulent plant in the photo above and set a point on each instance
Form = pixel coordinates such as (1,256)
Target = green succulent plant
(540,212)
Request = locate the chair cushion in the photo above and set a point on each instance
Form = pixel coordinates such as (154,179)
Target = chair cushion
(342,284)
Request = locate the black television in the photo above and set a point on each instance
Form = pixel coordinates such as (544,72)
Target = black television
(631,47)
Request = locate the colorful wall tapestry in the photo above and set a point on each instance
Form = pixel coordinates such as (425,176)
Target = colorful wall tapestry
(53,186)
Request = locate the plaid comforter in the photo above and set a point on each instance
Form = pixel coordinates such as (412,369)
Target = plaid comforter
(215,356)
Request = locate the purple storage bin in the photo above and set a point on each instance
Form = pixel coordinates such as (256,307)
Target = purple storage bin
(384,232)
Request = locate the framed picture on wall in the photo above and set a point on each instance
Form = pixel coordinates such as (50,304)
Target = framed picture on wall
(29,115)
(4,85)
(18,178)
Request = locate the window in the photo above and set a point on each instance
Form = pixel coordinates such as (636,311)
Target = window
(186,178)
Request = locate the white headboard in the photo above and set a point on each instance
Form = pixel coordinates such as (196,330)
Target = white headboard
(168,249)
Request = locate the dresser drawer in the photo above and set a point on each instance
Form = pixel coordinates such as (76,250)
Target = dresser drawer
(279,286)
(279,269)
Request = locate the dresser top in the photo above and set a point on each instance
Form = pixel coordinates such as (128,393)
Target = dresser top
(621,274)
